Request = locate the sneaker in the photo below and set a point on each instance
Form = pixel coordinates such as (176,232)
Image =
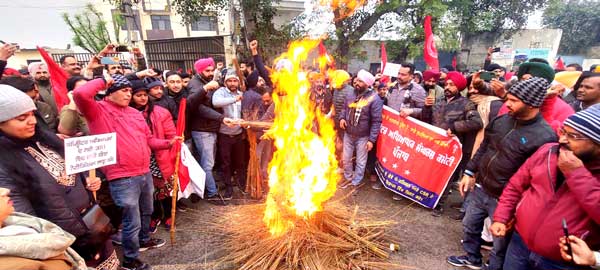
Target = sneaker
(228,194)
(458,216)
(344,183)
(377,186)
(168,223)
(135,265)
(154,225)
(396,197)
(117,238)
(463,261)
(152,244)
(485,245)
(437,212)
(181,207)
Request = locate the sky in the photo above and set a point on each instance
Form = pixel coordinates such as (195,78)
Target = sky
(39,22)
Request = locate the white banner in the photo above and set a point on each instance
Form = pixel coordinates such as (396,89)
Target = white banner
(90,152)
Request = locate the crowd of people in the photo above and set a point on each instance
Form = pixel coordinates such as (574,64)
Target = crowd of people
(530,139)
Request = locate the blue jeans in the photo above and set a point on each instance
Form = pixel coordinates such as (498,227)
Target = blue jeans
(519,257)
(479,206)
(134,196)
(206,143)
(358,144)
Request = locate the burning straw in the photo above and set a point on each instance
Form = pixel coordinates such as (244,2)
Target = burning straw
(334,238)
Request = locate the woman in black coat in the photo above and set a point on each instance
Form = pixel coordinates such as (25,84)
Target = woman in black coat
(33,168)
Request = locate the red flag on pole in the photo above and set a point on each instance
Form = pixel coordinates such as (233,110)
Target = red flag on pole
(384,79)
(454,62)
(559,64)
(58,78)
(429,51)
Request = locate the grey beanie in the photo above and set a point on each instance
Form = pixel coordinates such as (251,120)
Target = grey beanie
(532,92)
(13,102)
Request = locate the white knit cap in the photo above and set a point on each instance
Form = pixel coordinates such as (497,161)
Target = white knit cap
(366,77)
(13,102)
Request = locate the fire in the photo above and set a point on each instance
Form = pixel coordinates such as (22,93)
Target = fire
(302,174)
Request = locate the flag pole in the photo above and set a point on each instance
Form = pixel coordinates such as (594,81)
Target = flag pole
(174,196)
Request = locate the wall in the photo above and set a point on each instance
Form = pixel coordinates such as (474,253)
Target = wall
(19,60)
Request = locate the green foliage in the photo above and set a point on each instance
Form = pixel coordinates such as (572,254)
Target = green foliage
(89,29)
(580,22)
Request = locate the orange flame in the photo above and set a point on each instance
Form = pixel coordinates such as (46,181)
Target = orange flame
(343,8)
(302,174)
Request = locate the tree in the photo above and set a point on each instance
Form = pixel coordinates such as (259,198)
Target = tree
(89,29)
(475,17)
(580,22)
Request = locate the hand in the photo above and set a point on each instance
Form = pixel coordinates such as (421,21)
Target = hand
(582,254)
(254,47)
(238,98)
(212,85)
(220,65)
(343,124)
(109,80)
(137,52)
(229,122)
(369,146)
(567,161)
(429,101)
(109,48)
(449,133)
(72,106)
(498,88)
(94,63)
(92,184)
(555,90)
(378,76)
(6,51)
(175,139)
(498,229)
(146,73)
(406,112)
(467,183)
(62,136)
(490,50)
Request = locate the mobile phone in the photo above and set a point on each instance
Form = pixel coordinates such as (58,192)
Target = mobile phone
(566,231)
(122,48)
(108,61)
(487,76)
(497,49)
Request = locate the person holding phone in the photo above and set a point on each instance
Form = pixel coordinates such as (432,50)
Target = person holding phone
(580,254)
(556,186)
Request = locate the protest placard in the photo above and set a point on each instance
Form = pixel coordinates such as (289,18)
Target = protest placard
(90,152)
(415,159)
(391,69)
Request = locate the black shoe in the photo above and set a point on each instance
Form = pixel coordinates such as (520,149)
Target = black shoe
(135,265)
(195,198)
(228,194)
(152,244)
(215,199)
(437,212)
(181,207)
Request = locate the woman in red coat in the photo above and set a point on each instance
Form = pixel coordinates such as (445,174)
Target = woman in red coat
(162,162)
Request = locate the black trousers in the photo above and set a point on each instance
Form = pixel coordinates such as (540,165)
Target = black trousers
(232,155)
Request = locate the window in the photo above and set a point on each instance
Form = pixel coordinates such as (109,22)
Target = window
(161,22)
(205,23)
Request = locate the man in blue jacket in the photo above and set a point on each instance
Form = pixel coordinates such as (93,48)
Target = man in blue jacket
(361,120)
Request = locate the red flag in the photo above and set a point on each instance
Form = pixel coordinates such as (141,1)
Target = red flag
(384,79)
(58,78)
(429,51)
(454,62)
(559,64)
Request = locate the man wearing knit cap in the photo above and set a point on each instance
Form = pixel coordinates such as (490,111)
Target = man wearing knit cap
(509,140)
(430,83)
(130,180)
(459,116)
(156,93)
(407,97)
(559,183)
(361,120)
(231,139)
(39,73)
(498,70)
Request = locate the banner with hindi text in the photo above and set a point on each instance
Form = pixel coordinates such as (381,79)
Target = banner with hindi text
(415,159)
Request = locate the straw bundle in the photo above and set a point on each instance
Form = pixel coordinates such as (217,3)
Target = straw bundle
(329,240)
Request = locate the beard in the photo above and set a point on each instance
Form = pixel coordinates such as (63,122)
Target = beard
(206,78)
(428,87)
(43,81)
(518,113)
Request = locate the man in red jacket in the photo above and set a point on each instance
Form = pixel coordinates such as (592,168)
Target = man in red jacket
(130,180)
(559,182)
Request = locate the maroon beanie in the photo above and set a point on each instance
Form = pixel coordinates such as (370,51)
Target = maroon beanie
(458,79)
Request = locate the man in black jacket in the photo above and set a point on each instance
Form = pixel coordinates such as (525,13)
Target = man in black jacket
(509,141)
(459,116)
(203,120)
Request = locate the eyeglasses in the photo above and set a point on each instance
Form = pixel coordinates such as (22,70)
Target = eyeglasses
(572,136)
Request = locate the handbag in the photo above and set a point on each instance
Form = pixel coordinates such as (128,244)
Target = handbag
(97,222)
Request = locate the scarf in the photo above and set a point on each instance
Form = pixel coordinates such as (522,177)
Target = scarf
(50,241)
(483,108)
